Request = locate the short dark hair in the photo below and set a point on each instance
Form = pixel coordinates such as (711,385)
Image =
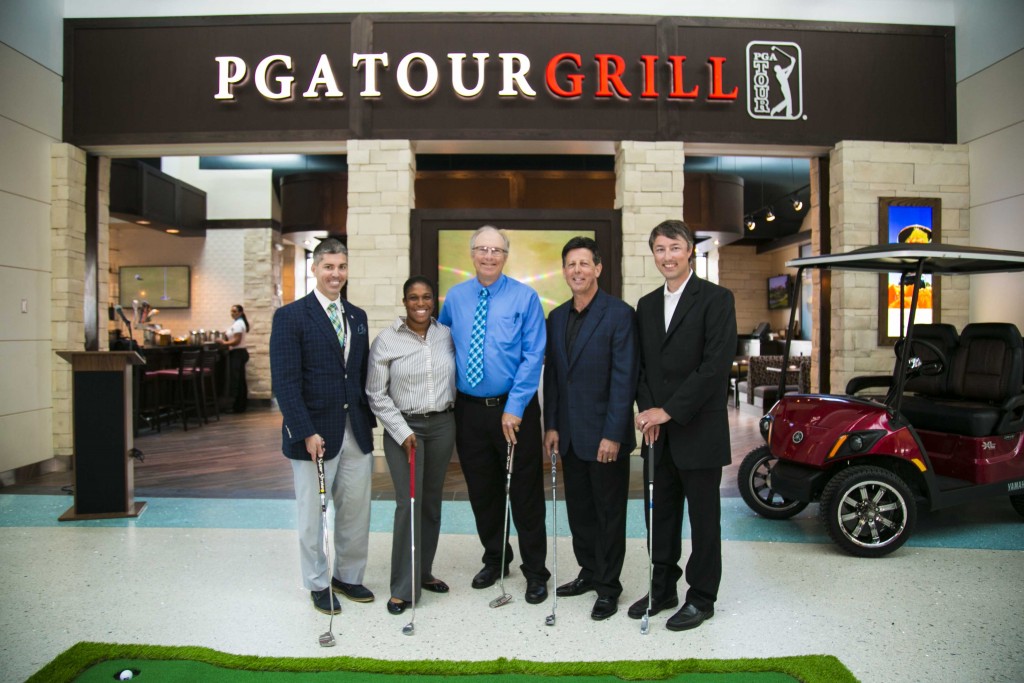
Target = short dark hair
(580,242)
(331,245)
(418,280)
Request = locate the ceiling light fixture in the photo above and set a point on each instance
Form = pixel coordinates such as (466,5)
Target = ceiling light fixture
(172,231)
(750,223)
(770,216)
(797,204)
(142,222)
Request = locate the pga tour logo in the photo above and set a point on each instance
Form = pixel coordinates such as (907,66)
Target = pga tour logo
(775,80)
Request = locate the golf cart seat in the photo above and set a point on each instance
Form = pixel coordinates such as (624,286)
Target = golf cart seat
(985,396)
(941,335)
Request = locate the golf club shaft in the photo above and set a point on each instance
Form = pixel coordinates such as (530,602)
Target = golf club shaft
(327,542)
(504,529)
(412,529)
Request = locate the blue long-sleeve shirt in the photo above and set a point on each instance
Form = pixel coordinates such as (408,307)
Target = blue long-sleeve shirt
(514,342)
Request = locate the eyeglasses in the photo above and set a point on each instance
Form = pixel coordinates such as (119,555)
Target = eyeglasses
(490,251)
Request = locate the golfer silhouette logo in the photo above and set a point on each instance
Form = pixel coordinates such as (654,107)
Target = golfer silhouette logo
(774,80)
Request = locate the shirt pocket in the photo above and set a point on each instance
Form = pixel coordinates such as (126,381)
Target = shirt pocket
(508,331)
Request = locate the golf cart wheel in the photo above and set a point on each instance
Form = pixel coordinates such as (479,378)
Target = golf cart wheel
(868,511)
(1017,502)
(752,480)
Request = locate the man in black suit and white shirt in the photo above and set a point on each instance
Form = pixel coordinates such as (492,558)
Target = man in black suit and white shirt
(687,343)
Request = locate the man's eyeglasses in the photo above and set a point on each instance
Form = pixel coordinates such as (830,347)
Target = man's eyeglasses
(490,251)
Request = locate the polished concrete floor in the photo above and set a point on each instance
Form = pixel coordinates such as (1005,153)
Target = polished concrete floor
(223,573)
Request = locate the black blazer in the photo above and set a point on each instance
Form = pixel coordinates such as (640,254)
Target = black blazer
(686,370)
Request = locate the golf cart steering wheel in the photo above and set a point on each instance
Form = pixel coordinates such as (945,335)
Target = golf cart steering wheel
(928,368)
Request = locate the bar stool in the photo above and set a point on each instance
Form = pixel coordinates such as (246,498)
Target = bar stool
(185,385)
(208,382)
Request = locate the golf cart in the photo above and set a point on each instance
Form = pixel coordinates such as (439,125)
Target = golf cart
(947,427)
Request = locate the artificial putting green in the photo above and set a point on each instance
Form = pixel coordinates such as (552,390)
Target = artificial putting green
(94,662)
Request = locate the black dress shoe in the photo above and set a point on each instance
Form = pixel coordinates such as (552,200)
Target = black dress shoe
(688,617)
(324,601)
(356,592)
(639,608)
(398,607)
(486,577)
(435,586)
(604,608)
(536,591)
(577,586)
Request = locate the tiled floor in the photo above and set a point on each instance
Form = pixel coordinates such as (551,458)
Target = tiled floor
(223,573)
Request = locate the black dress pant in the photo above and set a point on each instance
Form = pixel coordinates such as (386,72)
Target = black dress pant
(595,500)
(674,488)
(482,451)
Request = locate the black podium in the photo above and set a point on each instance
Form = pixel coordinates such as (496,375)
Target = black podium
(102,429)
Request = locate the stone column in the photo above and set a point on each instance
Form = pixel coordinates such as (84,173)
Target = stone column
(862,172)
(67,293)
(261,287)
(648,190)
(381,176)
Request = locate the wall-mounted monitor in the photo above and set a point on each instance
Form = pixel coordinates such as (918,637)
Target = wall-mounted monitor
(161,286)
(780,287)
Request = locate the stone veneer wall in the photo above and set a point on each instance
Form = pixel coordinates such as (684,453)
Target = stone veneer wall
(67,245)
(261,297)
(861,173)
(648,190)
(380,201)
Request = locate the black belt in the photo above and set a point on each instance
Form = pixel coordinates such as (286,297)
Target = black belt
(428,414)
(489,401)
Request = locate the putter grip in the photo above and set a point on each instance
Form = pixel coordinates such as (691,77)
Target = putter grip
(412,473)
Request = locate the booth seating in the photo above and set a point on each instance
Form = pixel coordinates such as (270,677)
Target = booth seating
(983,392)
(763,378)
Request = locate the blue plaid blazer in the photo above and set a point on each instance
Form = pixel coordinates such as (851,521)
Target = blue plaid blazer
(588,395)
(316,389)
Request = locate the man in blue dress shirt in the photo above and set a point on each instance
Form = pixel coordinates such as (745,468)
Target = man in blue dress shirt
(498,327)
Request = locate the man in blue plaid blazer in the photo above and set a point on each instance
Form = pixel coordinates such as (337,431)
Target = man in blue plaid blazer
(590,378)
(318,361)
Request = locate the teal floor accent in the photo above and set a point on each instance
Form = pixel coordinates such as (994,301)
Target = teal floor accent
(991,525)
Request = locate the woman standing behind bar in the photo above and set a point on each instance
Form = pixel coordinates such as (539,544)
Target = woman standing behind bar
(411,387)
(238,356)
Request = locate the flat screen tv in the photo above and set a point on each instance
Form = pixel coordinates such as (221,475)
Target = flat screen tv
(779,289)
(161,286)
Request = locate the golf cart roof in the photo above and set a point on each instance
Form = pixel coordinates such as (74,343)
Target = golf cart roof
(940,259)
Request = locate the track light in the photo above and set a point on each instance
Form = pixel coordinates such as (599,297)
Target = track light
(797,204)
(770,216)
(750,223)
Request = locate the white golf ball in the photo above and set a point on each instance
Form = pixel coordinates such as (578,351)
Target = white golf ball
(126,675)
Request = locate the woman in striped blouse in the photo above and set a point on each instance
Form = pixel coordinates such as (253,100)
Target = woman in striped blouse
(411,387)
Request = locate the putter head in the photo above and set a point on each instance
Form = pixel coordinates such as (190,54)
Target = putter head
(645,624)
(549,620)
(327,639)
(408,629)
(501,600)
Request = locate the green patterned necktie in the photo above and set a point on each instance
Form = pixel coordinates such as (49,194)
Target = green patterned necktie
(339,329)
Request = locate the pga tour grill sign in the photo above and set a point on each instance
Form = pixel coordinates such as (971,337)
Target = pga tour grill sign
(774,78)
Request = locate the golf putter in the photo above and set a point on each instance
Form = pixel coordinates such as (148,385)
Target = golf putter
(410,628)
(645,622)
(326,639)
(550,619)
(505,597)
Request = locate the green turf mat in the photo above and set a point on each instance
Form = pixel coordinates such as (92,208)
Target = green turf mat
(89,662)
